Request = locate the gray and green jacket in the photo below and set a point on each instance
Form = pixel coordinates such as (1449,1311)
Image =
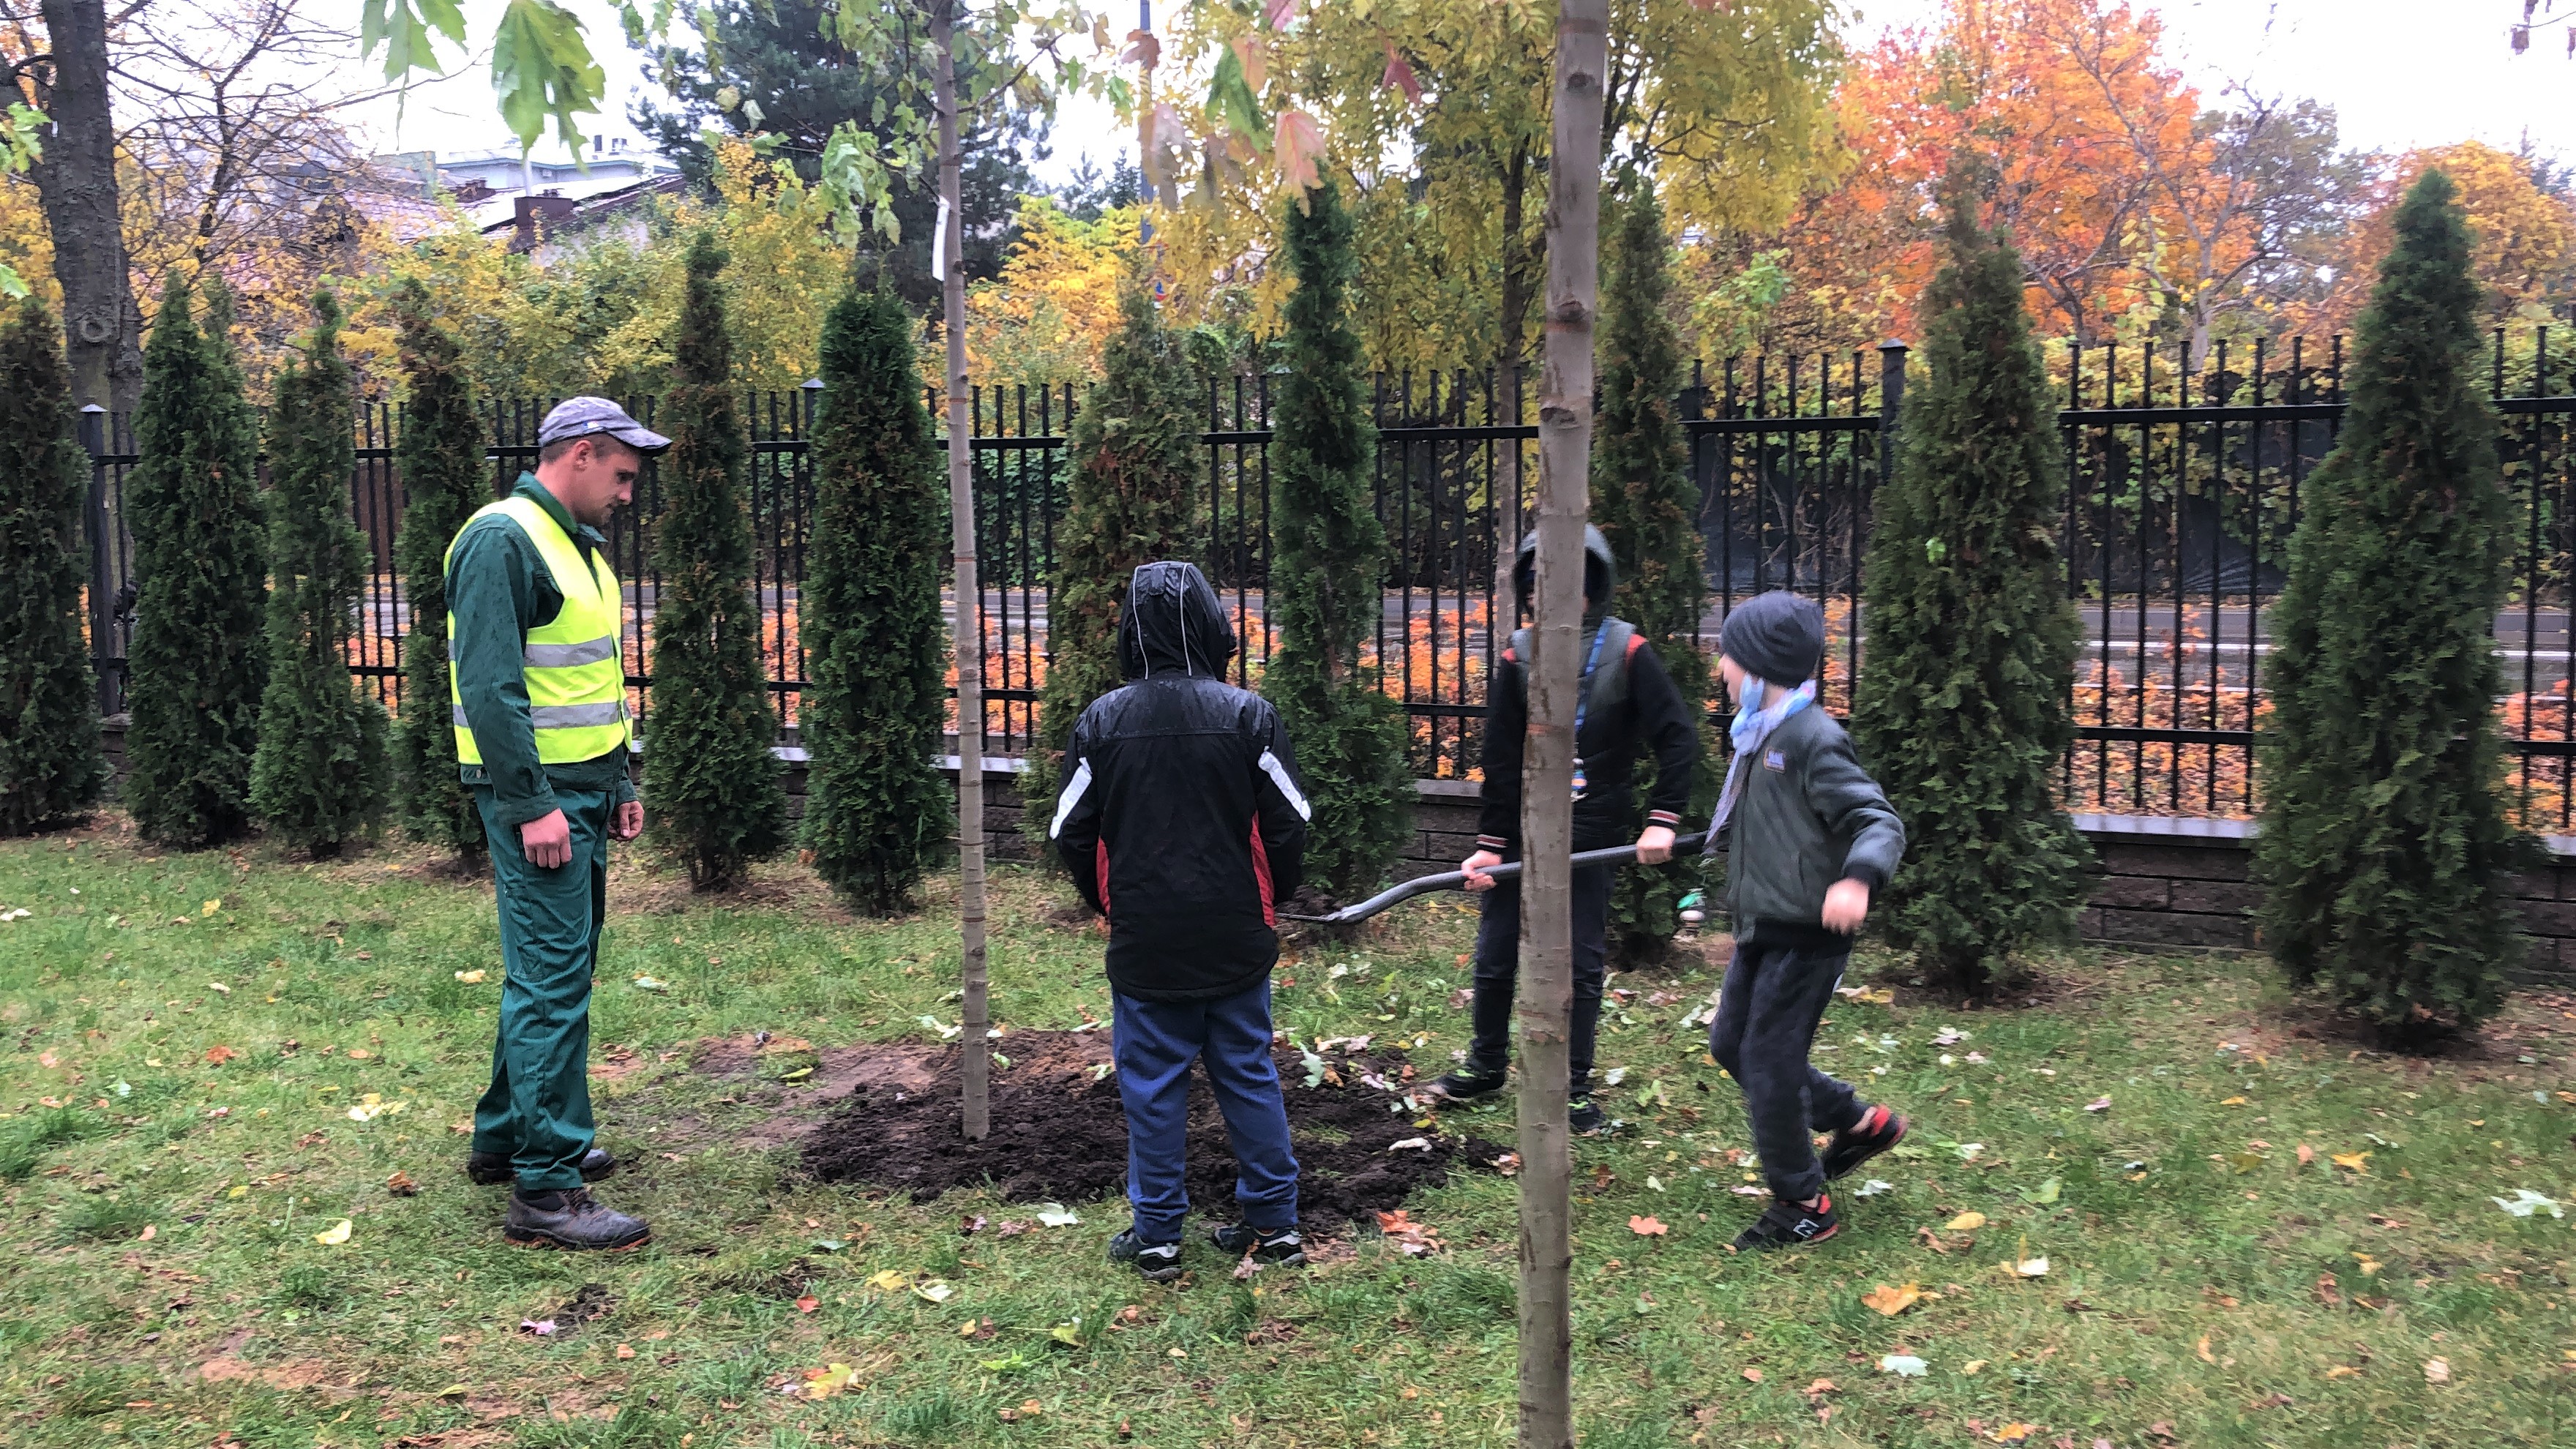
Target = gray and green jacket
(1809,816)
(498,589)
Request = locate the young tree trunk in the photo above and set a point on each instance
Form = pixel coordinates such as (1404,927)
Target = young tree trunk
(970,635)
(76,180)
(1547,788)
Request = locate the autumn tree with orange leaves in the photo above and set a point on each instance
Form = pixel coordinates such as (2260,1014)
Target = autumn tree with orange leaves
(2136,205)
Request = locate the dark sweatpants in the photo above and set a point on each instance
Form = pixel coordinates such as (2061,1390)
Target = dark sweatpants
(1498,959)
(1766,1019)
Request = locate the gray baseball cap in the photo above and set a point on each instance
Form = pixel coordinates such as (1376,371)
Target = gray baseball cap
(579,417)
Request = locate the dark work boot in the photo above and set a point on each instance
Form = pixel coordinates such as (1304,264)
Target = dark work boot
(572,1219)
(490,1169)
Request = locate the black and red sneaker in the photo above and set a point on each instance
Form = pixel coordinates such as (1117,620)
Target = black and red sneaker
(1791,1225)
(1877,1130)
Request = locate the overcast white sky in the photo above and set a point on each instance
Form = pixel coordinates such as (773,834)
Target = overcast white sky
(2400,73)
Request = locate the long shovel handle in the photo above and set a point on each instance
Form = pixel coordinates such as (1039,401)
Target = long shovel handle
(1457,880)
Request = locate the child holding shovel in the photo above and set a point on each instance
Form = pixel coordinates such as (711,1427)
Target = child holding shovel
(1809,835)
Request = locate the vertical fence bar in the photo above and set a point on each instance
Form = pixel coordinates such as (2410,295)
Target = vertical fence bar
(106,672)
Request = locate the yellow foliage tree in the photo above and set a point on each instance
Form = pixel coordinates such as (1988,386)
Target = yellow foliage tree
(1043,321)
(600,315)
(2522,239)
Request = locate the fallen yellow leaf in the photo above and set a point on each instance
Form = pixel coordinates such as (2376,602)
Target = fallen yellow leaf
(470,978)
(888,1281)
(1891,1301)
(1973,1367)
(2203,1350)
(210,907)
(2013,1433)
(2343,1371)
(2369,1264)
(2357,1162)
(1967,1222)
(2231,1101)
(334,1235)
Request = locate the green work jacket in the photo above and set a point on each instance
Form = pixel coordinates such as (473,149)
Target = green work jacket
(499,589)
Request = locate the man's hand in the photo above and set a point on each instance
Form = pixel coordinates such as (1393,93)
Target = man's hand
(628,822)
(1655,846)
(1475,866)
(547,841)
(1846,906)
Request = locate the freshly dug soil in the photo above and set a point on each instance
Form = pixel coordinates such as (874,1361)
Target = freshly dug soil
(1059,1134)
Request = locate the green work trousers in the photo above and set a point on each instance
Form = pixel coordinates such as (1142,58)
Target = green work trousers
(537,1110)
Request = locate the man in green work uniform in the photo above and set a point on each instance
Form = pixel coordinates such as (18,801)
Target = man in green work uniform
(542,735)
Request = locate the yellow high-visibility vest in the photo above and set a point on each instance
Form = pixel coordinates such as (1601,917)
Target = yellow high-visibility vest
(576,677)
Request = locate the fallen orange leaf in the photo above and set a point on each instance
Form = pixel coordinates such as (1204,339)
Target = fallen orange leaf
(2203,1350)
(1892,1301)
(1646,1227)
(216,1056)
(808,1303)
(1753,1376)
(2307,1154)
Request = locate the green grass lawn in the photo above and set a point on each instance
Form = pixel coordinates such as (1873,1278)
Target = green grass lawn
(2207,1282)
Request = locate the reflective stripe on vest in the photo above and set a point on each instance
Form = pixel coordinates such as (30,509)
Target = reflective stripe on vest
(575,675)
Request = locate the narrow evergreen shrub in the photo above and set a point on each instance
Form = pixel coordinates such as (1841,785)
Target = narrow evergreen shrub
(1962,710)
(1646,505)
(197,666)
(716,799)
(440,454)
(877,812)
(1328,557)
(50,765)
(1134,499)
(317,778)
(2384,843)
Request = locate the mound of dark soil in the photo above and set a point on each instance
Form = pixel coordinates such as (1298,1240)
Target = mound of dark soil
(1060,1135)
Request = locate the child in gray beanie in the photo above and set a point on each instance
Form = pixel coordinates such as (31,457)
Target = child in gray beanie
(1809,835)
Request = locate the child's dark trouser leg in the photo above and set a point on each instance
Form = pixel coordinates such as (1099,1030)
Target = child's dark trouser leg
(1154,1043)
(1766,1020)
(1498,954)
(1246,1079)
(1591,968)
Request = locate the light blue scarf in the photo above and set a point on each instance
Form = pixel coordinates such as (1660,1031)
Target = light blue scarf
(1754,722)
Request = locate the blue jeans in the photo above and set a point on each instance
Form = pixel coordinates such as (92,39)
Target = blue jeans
(1767,1010)
(1155,1042)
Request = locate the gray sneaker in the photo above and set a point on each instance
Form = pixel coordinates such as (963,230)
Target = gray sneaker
(574,1220)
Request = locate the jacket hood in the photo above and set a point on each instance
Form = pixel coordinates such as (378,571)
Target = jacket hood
(1600,571)
(1173,622)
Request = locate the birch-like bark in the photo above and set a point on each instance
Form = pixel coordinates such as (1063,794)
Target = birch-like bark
(977,1095)
(1547,781)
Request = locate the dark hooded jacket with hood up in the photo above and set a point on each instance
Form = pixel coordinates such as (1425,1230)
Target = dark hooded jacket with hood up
(1182,818)
(1632,709)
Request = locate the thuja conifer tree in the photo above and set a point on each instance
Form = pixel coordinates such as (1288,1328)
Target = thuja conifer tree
(2384,843)
(877,813)
(1328,556)
(317,778)
(1645,504)
(1963,710)
(196,666)
(50,766)
(708,768)
(440,454)
(1134,499)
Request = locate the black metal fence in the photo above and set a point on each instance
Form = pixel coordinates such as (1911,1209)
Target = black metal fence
(2185,482)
